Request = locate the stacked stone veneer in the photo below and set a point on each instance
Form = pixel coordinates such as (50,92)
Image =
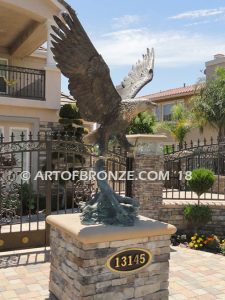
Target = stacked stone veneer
(149,193)
(173,214)
(78,270)
(150,196)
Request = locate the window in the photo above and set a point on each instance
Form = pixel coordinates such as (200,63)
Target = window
(3,75)
(167,109)
(17,132)
(22,158)
(158,112)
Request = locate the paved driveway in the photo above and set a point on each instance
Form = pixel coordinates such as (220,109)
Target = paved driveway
(193,275)
(196,275)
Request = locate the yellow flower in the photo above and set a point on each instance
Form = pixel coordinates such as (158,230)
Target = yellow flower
(196,246)
(193,238)
(201,245)
(191,244)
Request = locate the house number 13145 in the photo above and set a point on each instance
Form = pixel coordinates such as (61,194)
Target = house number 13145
(129,260)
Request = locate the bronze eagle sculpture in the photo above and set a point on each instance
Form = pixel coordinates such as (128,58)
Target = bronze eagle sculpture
(98,100)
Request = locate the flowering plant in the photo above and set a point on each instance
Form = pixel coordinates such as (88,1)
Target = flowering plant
(197,241)
(212,242)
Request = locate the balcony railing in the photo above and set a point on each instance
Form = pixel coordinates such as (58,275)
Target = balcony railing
(22,82)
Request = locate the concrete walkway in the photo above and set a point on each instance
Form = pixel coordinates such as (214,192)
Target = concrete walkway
(193,275)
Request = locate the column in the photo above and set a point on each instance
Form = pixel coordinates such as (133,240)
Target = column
(50,58)
(148,157)
(99,262)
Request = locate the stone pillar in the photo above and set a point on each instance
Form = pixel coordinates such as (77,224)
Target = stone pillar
(149,193)
(79,256)
(148,157)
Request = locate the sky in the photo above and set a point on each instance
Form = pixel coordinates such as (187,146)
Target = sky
(184,34)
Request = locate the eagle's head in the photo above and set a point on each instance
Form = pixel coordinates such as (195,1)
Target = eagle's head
(132,107)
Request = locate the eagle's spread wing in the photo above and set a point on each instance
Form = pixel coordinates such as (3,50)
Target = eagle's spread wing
(139,76)
(89,77)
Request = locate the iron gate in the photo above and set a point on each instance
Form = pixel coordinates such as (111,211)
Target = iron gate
(182,158)
(28,192)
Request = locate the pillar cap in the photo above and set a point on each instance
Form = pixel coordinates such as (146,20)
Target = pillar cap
(88,234)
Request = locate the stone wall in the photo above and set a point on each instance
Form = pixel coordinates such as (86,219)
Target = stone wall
(78,270)
(149,193)
(173,214)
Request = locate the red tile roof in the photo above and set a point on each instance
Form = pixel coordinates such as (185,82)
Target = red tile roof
(181,91)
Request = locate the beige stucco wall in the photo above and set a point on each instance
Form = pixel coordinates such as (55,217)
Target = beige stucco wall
(7,125)
(218,61)
(24,117)
(25,62)
(44,115)
(47,110)
(40,11)
(208,133)
(52,87)
(195,133)
(210,70)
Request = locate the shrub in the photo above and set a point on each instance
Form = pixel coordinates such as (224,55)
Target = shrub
(26,194)
(143,123)
(201,181)
(197,215)
(212,242)
(69,111)
(71,121)
(222,247)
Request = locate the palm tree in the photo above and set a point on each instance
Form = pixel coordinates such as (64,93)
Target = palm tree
(180,124)
(208,106)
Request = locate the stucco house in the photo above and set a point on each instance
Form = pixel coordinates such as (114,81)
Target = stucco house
(165,100)
(30,82)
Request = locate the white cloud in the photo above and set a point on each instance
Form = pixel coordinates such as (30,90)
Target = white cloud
(125,21)
(199,13)
(172,48)
(197,23)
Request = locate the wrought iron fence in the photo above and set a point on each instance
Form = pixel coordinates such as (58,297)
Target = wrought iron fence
(22,82)
(28,193)
(178,159)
